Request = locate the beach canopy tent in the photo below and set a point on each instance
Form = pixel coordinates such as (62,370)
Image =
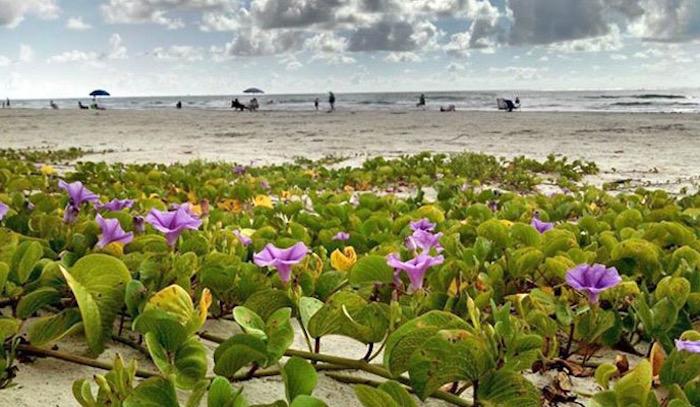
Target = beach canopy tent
(253,90)
(99,92)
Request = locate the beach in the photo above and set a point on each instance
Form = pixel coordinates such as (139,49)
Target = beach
(648,149)
(654,150)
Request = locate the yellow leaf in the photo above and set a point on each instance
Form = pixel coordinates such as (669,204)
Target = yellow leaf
(230,205)
(47,170)
(343,261)
(204,304)
(175,301)
(262,201)
(506,223)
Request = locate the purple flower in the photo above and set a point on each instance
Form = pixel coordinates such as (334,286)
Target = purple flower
(423,224)
(112,232)
(239,170)
(139,224)
(70,213)
(78,193)
(3,210)
(414,268)
(245,240)
(688,346)
(264,185)
(115,205)
(281,259)
(423,240)
(592,280)
(342,236)
(173,223)
(187,207)
(541,226)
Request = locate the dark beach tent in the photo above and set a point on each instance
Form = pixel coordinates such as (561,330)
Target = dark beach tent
(99,92)
(253,90)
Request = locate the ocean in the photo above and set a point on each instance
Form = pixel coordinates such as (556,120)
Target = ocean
(668,101)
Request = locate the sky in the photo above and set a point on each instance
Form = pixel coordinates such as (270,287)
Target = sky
(66,48)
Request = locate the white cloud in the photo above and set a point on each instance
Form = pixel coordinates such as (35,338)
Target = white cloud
(73,56)
(26,53)
(160,11)
(5,61)
(179,52)
(12,12)
(406,57)
(77,24)
(116,49)
(524,73)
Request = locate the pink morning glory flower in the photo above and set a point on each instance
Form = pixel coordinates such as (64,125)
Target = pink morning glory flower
(592,280)
(3,210)
(173,223)
(541,226)
(115,205)
(415,268)
(688,346)
(424,240)
(281,259)
(77,193)
(112,232)
(342,236)
(245,240)
(423,224)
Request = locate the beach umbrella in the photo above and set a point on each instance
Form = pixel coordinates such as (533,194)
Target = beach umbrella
(253,90)
(99,92)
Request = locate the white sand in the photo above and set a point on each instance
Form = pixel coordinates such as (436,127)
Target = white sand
(658,149)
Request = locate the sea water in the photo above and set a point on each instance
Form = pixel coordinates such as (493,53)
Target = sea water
(668,101)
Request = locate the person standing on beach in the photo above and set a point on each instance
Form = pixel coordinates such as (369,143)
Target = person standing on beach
(421,101)
(331,101)
(316,102)
(179,104)
(8,103)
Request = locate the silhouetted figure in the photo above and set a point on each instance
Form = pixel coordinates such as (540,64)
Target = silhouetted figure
(53,105)
(82,106)
(316,102)
(238,105)
(253,106)
(7,102)
(178,105)
(421,101)
(331,101)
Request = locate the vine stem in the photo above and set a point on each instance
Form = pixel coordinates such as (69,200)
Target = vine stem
(355,365)
(34,350)
(79,360)
(450,398)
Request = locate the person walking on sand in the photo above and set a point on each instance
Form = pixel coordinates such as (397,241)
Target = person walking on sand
(331,101)
(421,101)
(316,102)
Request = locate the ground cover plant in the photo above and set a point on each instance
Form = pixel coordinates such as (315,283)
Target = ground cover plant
(460,296)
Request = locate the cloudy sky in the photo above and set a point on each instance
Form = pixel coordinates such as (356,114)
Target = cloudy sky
(62,48)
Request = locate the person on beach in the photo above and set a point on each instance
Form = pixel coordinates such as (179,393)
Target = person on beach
(179,104)
(53,105)
(316,102)
(331,101)
(235,104)
(421,101)
(254,105)
(81,106)
(7,102)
